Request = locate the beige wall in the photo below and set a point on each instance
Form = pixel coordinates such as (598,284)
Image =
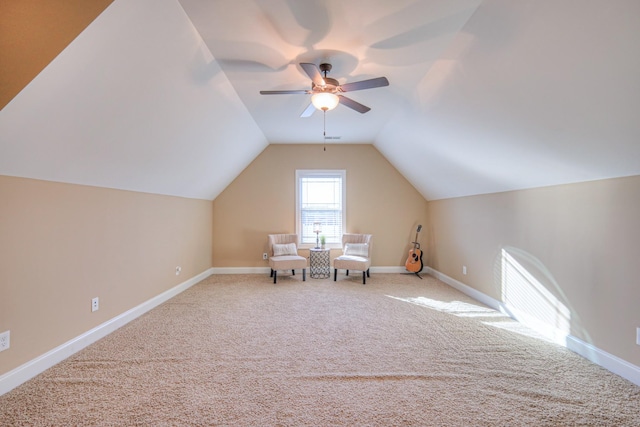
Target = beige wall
(580,241)
(261,200)
(61,245)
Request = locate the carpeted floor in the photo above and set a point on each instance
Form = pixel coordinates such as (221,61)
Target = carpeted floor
(237,350)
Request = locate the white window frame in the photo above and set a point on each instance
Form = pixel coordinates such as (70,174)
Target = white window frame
(306,173)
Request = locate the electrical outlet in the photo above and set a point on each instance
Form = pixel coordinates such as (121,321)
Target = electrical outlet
(5,341)
(265,256)
(464,270)
(178,270)
(95,304)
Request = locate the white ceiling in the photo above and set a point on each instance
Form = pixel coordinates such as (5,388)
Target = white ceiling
(485,96)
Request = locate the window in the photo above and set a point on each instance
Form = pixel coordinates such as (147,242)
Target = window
(320,197)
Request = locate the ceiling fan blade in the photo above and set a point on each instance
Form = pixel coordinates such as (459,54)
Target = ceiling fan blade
(283,92)
(365,84)
(308,111)
(348,102)
(313,72)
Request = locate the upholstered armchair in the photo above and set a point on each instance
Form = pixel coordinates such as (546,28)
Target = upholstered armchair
(283,255)
(356,255)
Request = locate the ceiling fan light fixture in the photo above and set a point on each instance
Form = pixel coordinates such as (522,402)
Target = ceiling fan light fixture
(325,101)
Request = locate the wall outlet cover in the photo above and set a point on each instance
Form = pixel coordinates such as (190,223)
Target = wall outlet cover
(5,340)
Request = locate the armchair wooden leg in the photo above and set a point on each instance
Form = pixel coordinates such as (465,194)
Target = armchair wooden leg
(335,274)
(275,276)
(368,273)
(271,273)
(304,274)
(364,277)
(347,272)
(293,272)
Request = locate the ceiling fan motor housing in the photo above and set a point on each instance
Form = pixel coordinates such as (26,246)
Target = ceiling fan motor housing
(331,86)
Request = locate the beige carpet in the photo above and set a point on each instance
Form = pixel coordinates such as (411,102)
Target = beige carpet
(238,350)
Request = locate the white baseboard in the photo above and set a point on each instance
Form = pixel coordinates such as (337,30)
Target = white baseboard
(608,361)
(241,270)
(267,270)
(25,372)
(473,293)
(600,357)
(391,269)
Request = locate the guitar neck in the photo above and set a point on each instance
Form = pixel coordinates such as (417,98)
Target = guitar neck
(416,245)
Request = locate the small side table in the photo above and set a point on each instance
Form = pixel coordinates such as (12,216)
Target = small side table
(319,263)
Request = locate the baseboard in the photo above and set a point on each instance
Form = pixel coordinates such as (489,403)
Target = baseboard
(25,372)
(608,361)
(241,270)
(473,293)
(266,270)
(389,269)
(590,352)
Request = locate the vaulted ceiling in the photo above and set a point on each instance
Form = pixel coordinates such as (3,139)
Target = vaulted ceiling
(162,96)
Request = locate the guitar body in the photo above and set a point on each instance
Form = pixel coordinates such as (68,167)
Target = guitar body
(414,260)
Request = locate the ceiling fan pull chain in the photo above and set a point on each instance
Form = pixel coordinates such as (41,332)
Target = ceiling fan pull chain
(324,125)
(324,130)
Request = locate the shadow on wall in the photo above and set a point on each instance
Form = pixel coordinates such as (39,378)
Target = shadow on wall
(529,295)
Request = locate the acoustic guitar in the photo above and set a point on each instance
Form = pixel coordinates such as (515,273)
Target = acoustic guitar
(414,261)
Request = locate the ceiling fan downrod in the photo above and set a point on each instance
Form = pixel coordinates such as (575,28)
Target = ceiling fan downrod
(325,68)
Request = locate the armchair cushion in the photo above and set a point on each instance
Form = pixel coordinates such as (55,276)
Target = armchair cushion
(356,249)
(284,249)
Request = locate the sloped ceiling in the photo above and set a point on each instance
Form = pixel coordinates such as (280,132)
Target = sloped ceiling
(485,96)
(135,102)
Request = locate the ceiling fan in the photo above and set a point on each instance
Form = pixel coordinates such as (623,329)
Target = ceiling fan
(326,92)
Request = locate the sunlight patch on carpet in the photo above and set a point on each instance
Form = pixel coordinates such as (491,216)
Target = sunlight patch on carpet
(465,309)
